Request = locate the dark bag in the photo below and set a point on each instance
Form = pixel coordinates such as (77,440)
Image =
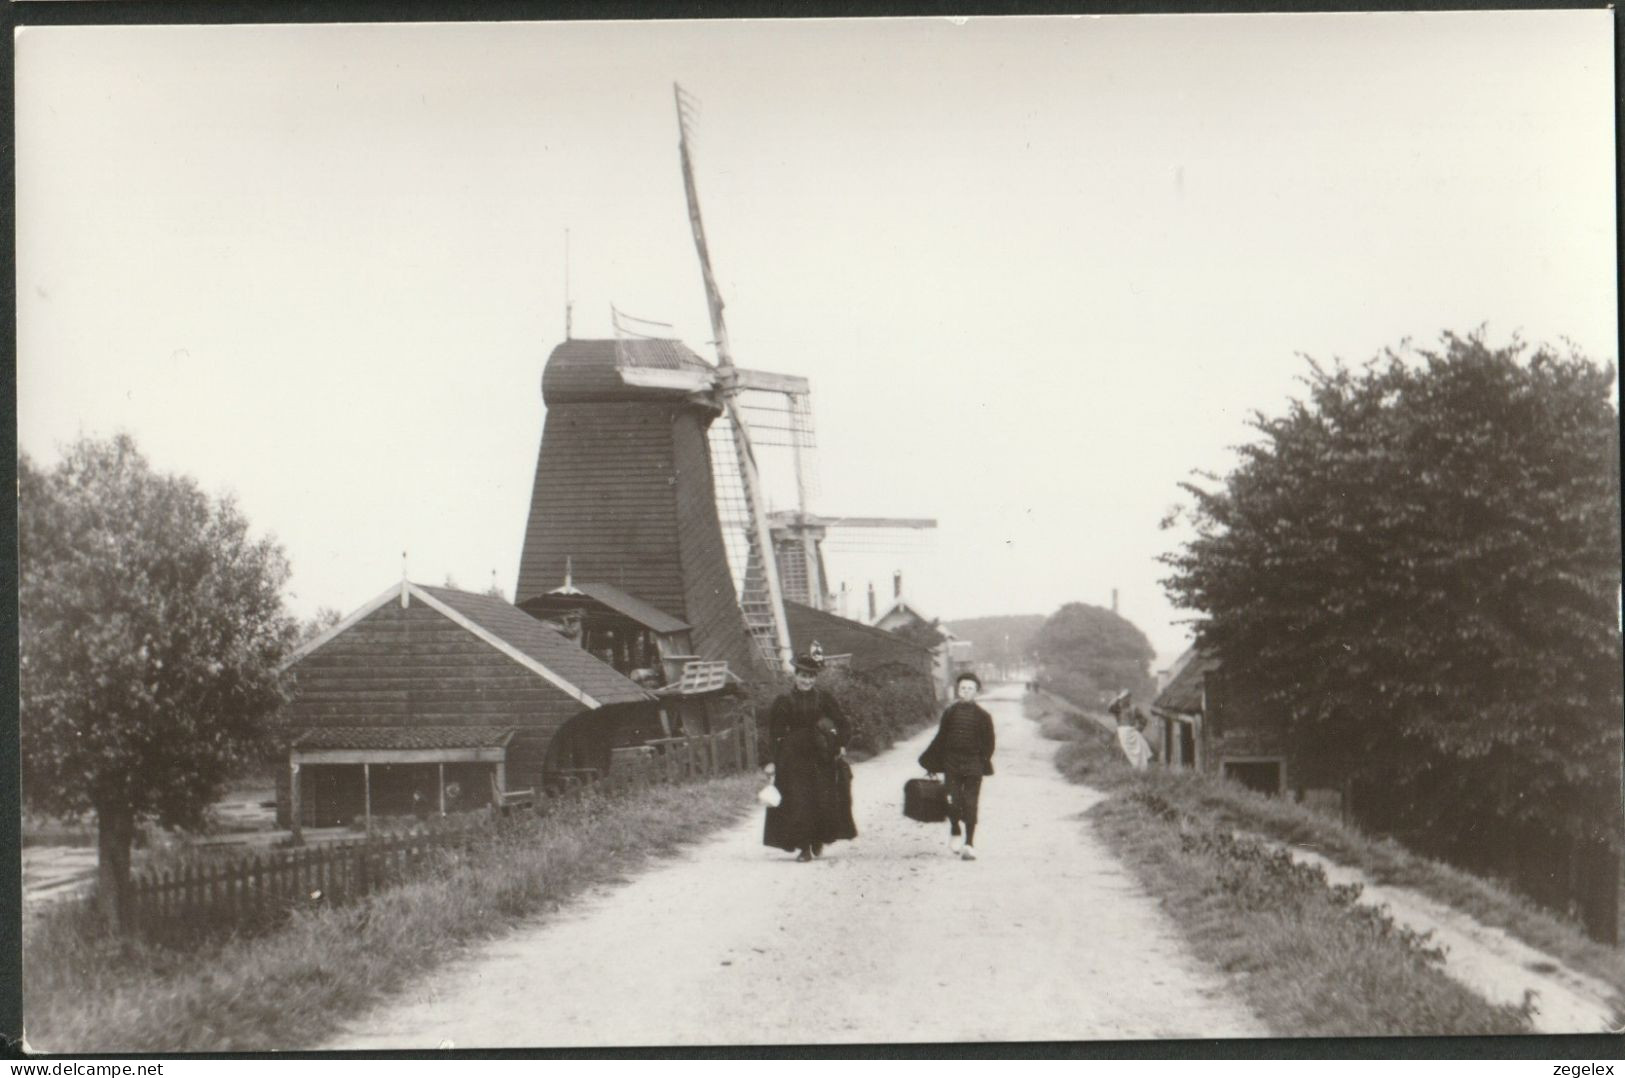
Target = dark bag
(827,738)
(925,800)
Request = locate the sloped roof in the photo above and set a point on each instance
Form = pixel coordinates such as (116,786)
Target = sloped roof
(584,369)
(542,643)
(405,737)
(1183,692)
(639,611)
(867,645)
(903,606)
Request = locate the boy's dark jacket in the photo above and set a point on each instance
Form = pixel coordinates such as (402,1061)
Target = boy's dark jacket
(964,742)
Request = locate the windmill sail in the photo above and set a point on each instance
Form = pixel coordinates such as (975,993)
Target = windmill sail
(739,494)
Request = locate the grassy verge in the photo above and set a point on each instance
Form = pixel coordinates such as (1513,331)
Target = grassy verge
(1309,961)
(293,988)
(1228,805)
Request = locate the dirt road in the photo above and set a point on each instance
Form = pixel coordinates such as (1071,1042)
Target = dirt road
(1045,937)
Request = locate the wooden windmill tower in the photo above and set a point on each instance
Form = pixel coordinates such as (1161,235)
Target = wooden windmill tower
(647,479)
(799,537)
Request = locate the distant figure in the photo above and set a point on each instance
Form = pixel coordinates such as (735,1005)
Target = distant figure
(1129,738)
(807,737)
(962,752)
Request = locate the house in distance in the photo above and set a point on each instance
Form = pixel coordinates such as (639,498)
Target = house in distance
(950,656)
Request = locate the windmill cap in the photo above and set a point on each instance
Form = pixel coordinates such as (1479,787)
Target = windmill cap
(584,370)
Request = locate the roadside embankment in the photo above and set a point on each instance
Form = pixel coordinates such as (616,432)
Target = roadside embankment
(1317,960)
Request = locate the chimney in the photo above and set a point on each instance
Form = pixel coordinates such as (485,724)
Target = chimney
(841,602)
(1114,600)
(897,584)
(871,601)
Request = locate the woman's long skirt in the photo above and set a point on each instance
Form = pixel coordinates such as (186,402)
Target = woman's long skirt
(815,806)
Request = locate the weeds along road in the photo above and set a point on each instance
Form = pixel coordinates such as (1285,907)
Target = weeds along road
(889,938)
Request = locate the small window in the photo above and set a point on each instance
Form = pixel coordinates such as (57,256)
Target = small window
(1261,775)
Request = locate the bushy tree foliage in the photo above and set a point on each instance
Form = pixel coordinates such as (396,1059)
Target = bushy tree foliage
(921,634)
(883,704)
(1418,567)
(318,623)
(1086,653)
(151,628)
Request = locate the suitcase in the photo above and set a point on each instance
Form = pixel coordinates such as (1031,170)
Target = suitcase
(925,800)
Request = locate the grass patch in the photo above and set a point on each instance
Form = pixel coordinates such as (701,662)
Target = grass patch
(293,988)
(1310,961)
(1091,756)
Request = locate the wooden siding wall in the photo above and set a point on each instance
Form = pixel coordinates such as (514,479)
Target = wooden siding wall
(1238,726)
(605,497)
(416,667)
(710,603)
(624,490)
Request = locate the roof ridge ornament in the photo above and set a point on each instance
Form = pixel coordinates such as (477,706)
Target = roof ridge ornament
(569,587)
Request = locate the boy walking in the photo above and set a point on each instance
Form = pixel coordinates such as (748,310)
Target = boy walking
(962,752)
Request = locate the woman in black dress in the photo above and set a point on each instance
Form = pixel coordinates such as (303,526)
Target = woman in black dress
(807,736)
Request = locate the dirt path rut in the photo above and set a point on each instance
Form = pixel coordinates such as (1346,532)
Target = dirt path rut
(1045,937)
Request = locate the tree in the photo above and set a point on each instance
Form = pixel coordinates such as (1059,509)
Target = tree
(1086,652)
(151,629)
(1418,568)
(1006,641)
(318,623)
(920,633)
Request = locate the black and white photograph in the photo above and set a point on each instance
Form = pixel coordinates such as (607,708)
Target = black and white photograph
(814,534)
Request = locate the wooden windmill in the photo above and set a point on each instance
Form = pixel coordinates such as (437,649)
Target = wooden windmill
(647,479)
(799,538)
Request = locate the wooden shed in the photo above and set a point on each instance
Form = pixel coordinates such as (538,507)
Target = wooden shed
(1211,723)
(429,700)
(1178,711)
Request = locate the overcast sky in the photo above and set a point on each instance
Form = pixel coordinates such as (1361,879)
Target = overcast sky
(1038,270)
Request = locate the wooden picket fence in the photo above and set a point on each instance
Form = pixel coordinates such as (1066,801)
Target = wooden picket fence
(680,759)
(256,892)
